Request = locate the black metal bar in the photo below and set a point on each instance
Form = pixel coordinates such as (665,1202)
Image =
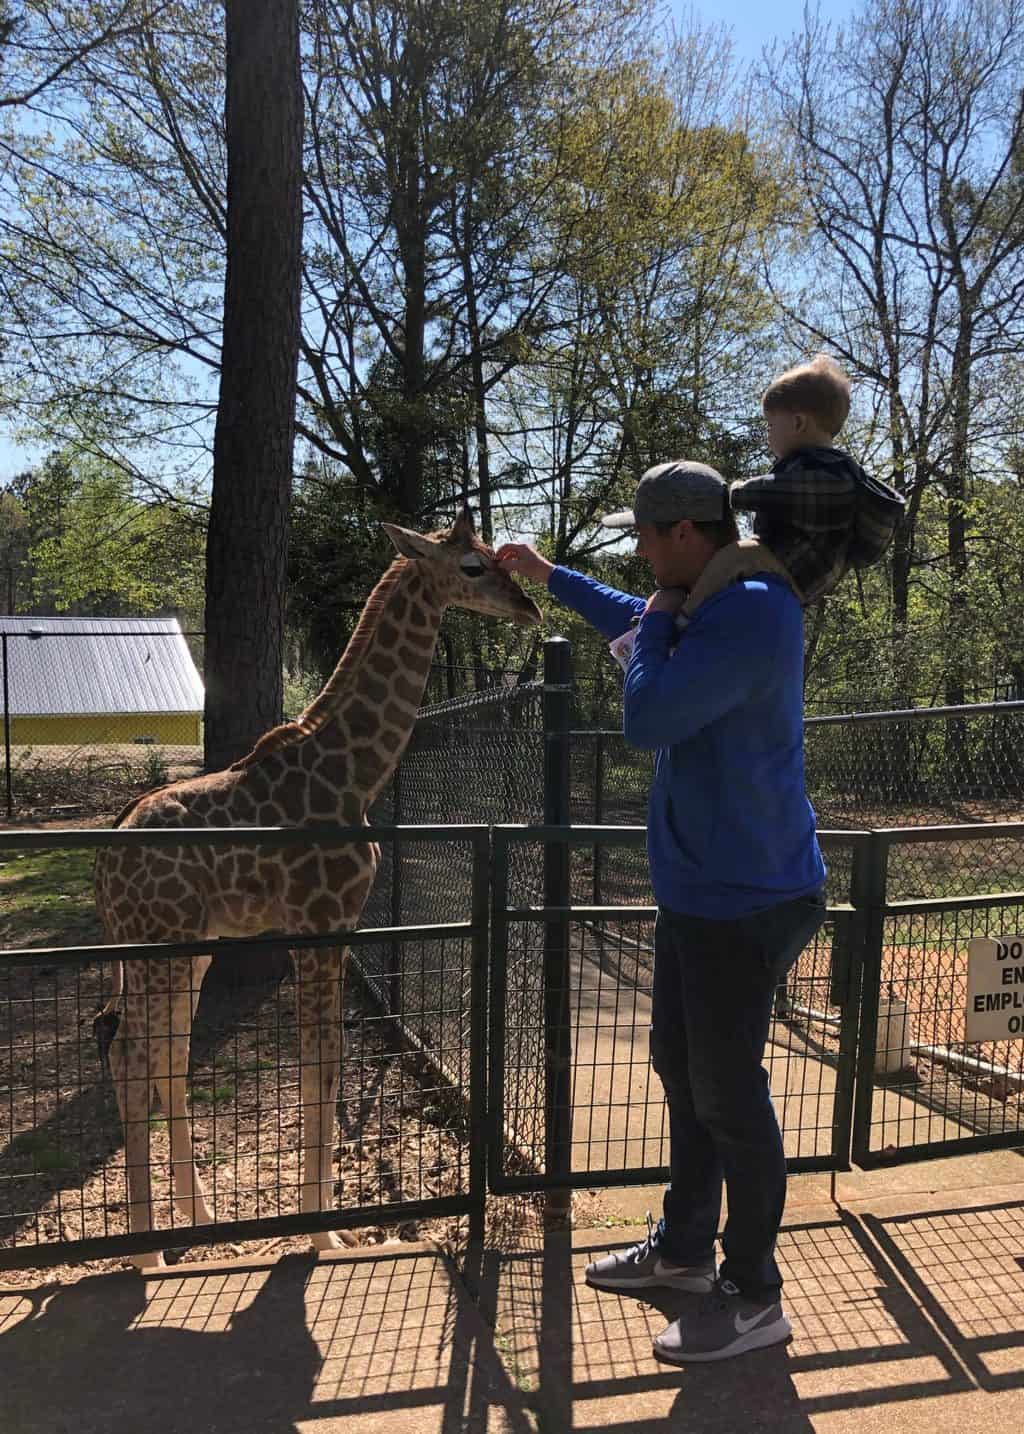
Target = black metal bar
(108,1246)
(582,913)
(914,714)
(938,1149)
(572,836)
(637,836)
(639,1175)
(870,875)
(7,735)
(498,1000)
(844,991)
(557,1036)
(228,947)
(927,905)
(481,909)
(314,834)
(395,996)
(598,812)
(952,832)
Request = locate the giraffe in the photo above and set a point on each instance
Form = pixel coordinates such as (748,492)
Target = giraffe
(326,766)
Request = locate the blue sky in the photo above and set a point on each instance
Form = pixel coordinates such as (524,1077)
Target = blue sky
(753,24)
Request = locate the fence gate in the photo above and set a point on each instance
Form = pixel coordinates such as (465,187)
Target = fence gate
(573,1100)
(922,1090)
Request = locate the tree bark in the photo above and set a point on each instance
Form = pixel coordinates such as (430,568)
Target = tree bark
(255,431)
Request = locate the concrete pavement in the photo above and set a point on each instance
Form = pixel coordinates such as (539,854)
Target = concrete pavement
(906,1297)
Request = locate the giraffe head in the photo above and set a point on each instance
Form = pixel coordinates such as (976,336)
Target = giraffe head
(463,572)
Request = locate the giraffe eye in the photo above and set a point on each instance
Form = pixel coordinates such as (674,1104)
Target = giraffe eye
(472,566)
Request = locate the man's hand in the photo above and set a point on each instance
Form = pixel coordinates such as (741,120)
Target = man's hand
(668,600)
(526,561)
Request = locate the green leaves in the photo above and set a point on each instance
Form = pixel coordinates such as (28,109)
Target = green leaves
(94,546)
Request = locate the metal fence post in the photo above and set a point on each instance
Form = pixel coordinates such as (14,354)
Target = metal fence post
(395,996)
(557,1036)
(478,1060)
(598,812)
(7,734)
(870,882)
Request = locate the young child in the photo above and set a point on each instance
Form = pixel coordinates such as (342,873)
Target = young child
(817,513)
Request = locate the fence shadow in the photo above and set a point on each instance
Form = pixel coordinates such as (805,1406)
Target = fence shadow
(255,1350)
(966,1268)
(864,1317)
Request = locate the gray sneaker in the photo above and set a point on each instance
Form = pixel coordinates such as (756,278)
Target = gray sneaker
(721,1325)
(642,1267)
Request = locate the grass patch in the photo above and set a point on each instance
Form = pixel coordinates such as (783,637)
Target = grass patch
(215,1095)
(46,898)
(206,1162)
(36,1148)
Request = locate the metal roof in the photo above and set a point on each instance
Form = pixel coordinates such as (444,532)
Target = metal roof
(61,666)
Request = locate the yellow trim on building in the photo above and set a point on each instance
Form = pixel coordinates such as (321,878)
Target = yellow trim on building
(175,729)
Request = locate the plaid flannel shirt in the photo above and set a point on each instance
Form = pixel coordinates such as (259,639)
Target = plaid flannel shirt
(820,514)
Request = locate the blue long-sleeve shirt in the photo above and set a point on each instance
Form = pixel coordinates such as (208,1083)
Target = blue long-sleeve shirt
(730,830)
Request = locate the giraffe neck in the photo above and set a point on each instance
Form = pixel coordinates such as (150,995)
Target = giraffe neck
(368,707)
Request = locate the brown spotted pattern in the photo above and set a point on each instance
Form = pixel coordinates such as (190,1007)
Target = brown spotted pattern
(326,766)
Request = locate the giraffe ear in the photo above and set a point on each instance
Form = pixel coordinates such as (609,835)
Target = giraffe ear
(464,526)
(410,544)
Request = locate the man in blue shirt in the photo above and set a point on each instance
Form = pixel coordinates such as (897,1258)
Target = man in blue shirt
(739,883)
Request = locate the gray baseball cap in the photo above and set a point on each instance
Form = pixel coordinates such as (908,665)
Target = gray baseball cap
(673,491)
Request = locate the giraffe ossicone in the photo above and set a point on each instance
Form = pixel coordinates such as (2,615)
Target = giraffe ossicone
(326,766)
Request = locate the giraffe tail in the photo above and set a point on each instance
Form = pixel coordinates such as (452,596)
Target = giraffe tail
(108,1017)
(104,1028)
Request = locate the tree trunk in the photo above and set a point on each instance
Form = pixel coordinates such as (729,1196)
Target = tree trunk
(486,525)
(255,432)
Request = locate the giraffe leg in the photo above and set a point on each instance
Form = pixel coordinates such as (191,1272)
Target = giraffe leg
(170,1082)
(318,975)
(129,1069)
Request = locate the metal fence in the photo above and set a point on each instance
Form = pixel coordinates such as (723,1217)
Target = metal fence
(471,758)
(573,1098)
(516,1057)
(411,1086)
(918,767)
(925,894)
(543,924)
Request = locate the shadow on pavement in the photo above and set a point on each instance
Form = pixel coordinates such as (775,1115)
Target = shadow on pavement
(890,1316)
(885,1313)
(966,1269)
(388,1342)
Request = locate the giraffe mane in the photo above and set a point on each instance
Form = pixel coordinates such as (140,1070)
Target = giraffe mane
(127,810)
(319,711)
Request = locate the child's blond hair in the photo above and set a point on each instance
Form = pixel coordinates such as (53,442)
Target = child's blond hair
(818,388)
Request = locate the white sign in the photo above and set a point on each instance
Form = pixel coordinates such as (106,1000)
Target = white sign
(995,989)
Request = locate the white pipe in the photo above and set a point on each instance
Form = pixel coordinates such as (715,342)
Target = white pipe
(791,1006)
(960,1062)
(942,1054)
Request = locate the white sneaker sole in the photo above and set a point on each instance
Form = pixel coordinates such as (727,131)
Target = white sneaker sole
(759,1338)
(687,1284)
